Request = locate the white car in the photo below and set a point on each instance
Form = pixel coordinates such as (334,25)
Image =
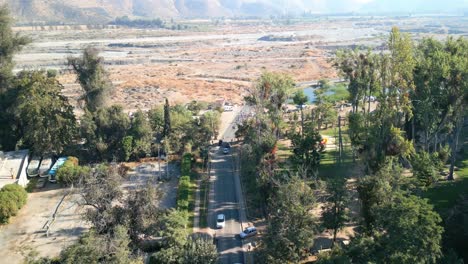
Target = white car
(220,221)
(248,232)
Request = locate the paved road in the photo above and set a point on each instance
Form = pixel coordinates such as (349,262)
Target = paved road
(224,199)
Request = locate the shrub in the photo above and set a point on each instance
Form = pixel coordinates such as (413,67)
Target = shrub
(17,193)
(186,164)
(8,206)
(183,193)
(71,172)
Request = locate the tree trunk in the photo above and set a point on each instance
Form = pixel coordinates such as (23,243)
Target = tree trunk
(453,157)
(302,121)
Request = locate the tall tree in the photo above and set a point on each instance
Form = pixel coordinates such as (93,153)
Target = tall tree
(93,78)
(334,215)
(300,98)
(104,132)
(291,226)
(10,44)
(44,115)
(102,194)
(307,150)
(167,119)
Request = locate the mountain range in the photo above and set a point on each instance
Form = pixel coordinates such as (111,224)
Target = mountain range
(98,11)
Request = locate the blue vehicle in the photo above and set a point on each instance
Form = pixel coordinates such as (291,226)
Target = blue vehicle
(53,171)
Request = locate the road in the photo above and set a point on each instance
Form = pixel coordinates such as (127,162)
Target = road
(224,196)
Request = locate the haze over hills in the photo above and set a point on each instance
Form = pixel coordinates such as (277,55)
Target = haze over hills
(93,11)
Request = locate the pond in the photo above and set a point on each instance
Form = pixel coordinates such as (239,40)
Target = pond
(309,91)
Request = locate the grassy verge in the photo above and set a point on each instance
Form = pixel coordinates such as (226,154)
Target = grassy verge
(204,188)
(444,195)
(186,189)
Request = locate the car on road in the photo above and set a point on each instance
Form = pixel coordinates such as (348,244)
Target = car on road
(225,150)
(220,221)
(248,232)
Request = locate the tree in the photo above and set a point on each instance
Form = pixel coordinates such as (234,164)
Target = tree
(456,227)
(199,250)
(96,248)
(104,132)
(167,120)
(307,151)
(424,168)
(410,230)
(44,115)
(300,98)
(10,44)
(334,215)
(291,226)
(143,213)
(101,192)
(141,134)
(156,118)
(93,78)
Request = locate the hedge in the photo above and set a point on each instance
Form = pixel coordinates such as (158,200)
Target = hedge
(12,198)
(185,186)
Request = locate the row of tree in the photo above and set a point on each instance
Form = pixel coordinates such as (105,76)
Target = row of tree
(421,92)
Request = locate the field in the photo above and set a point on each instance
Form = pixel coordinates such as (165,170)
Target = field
(213,60)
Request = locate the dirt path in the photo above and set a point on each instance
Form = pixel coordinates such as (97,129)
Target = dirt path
(25,230)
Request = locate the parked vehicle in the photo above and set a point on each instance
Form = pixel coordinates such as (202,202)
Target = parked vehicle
(220,221)
(53,171)
(33,167)
(46,164)
(248,232)
(228,108)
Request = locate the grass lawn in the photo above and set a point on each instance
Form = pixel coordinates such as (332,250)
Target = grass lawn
(444,195)
(204,203)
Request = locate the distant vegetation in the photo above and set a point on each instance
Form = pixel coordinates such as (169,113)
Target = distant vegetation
(144,23)
(147,23)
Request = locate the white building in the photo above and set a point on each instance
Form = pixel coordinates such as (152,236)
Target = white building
(13,166)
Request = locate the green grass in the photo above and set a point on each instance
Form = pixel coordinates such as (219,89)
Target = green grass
(339,92)
(283,152)
(204,187)
(444,195)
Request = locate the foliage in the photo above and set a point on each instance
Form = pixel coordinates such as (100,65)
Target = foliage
(424,168)
(291,226)
(411,231)
(183,193)
(167,120)
(199,250)
(334,215)
(71,172)
(44,116)
(143,212)
(456,227)
(93,78)
(95,248)
(104,131)
(307,150)
(12,198)
(138,23)
(10,44)
(101,192)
